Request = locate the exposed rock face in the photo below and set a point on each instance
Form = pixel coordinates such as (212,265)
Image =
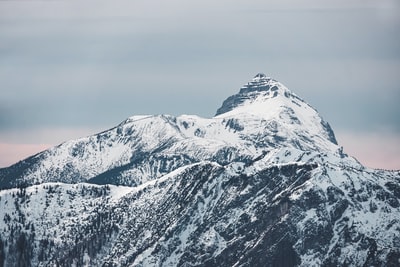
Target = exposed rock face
(263,183)
(259,83)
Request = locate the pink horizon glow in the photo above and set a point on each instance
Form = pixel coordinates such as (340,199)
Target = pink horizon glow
(374,150)
(12,153)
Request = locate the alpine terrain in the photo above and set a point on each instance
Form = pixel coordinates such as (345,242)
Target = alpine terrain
(262,183)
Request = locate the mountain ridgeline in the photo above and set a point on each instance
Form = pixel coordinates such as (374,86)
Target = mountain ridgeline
(262,183)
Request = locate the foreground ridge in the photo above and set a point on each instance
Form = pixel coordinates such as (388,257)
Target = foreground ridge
(262,183)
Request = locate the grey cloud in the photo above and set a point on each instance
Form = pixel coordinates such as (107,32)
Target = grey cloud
(98,68)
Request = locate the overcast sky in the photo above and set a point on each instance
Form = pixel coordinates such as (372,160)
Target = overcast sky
(72,68)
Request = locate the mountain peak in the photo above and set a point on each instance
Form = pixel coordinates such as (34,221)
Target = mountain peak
(260,76)
(260,83)
(265,99)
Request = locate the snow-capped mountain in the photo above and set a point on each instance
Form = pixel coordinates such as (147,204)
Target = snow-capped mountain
(263,117)
(262,183)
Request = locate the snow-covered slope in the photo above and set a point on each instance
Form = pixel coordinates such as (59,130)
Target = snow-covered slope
(263,183)
(263,116)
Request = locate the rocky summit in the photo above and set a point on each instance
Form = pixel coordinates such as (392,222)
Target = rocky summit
(262,183)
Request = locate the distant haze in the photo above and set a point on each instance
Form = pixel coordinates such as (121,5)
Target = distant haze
(74,68)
